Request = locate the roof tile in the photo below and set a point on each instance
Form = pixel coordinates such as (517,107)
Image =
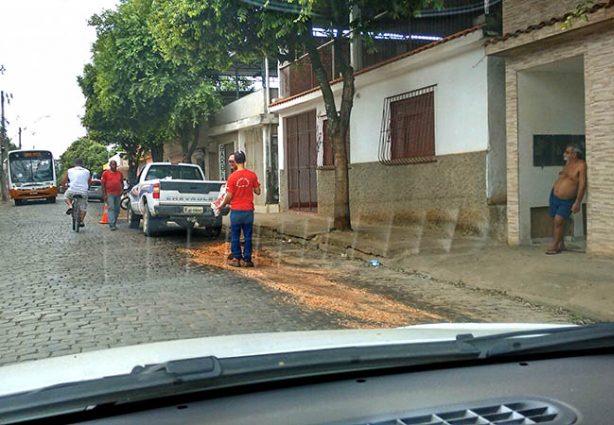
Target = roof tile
(550,22)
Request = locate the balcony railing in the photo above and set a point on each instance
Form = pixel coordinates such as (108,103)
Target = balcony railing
(398,38)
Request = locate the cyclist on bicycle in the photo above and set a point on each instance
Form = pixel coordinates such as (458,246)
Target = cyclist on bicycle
(80,180)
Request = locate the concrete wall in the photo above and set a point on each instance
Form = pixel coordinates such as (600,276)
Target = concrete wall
(214,151)
(251,105)
(548,103)
(247,106)
(461,104)
(254,152)
(251,141)
(496,177)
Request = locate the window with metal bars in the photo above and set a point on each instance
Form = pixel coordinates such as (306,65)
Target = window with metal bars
(408,128)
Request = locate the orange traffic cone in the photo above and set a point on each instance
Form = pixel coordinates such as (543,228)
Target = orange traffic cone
(105,217)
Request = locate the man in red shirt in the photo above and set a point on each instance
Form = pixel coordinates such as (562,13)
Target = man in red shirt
(241,186)
(112,183)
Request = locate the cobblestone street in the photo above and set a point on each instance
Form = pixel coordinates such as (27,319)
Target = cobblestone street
(63,292)
(130,289)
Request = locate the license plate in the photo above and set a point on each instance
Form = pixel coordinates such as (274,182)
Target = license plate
(193,210)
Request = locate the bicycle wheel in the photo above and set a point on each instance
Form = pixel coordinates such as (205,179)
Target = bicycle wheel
(76,215)
(124,203)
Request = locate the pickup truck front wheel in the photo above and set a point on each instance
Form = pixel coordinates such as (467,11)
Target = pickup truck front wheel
(151,225)
(133,219)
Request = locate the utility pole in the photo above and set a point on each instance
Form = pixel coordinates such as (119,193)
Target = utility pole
(5,194)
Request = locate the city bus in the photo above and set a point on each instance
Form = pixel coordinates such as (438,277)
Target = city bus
(31,175)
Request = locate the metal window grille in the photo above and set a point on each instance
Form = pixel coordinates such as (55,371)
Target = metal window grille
(408,128)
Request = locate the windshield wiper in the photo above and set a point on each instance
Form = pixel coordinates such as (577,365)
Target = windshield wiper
(558,339)
(210,373)
(181,377)
(144,382)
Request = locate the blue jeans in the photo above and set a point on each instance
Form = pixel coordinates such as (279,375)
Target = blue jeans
(113,205)
(241,221)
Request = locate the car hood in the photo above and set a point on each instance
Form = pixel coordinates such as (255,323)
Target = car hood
(32,375)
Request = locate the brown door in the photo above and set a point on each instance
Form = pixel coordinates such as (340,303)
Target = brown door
(301,152)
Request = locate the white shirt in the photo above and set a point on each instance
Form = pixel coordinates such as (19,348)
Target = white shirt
(79,178)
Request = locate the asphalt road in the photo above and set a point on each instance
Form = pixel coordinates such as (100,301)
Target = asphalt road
(63,292)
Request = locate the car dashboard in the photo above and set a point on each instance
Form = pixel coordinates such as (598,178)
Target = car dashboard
(561,391)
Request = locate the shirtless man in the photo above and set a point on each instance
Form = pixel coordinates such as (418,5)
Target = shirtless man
(566,195)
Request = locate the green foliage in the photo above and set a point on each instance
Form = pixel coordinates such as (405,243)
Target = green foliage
(134,95)
(229,84)
(581,13)
(244,30)
(93,154)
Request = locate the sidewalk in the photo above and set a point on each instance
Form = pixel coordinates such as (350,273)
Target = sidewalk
(573,280)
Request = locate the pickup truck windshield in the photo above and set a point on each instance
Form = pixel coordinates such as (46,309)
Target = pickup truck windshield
(174,172)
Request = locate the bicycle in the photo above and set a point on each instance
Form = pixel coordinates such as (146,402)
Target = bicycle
(76,212)
(124,202)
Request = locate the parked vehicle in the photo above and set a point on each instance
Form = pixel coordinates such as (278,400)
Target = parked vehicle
(174,194)
(95,191)
(30,175)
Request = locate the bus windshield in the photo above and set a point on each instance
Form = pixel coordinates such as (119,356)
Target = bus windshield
(30,167)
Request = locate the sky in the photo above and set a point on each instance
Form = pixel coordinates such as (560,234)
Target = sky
(44,45)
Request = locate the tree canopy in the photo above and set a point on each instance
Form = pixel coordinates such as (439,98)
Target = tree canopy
(93,154)
(134,96)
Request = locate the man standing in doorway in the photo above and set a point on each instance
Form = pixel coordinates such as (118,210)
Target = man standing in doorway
(112,183)
(566,195)
(240,189)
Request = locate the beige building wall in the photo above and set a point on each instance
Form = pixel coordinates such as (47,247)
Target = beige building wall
(519,14)
(594,40)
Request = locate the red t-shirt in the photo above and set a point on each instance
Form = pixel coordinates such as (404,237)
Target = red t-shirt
(241,184)
(113,182)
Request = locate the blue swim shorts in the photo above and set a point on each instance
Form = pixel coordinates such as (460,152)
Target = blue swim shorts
(560,207)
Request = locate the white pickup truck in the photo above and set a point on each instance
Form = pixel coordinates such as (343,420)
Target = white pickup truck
(174,194)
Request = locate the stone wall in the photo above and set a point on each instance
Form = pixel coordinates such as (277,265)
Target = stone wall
(451,190)
(519,14)
(600,140)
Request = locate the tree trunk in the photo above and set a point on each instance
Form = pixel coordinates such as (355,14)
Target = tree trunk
(157,152)
(186,157)
(338,123)
(133,154)
(189,142)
